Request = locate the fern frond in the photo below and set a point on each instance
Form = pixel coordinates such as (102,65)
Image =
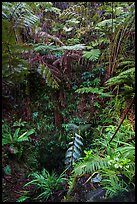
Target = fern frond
(20,13)
(126,63)
(72,47)
(92,55)
(128,150)
(74,151)
(75,11)
(48,75)
(94,91)
(44,49)
(107,22)
(91,166)
(123,77)
(98,42)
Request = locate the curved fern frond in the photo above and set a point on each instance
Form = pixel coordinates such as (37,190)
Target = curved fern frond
(91,166)
(44,49)
(126,63)
(20,13)
(97,91)
(127,151)
(123,77)
(48,75)
(106,23)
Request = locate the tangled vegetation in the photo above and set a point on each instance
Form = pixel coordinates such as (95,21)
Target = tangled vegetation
(68,101)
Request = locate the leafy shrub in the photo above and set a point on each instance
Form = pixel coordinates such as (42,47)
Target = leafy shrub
(115,167)
(16,137)
(47,183)
(15,140)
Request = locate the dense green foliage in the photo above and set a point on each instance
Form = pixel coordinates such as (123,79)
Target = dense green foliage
(47,183)
(68,89)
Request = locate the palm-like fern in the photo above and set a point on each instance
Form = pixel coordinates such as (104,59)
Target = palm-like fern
(92,55)
(20,13)
(16,16)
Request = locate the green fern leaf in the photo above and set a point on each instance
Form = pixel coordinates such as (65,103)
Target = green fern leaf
(92,55)
(123,77)
(76,11)
(97,91)
(91,166)
(15,136)
(46,73)
(72,47)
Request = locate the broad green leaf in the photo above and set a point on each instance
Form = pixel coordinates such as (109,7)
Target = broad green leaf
(22,198)
(30,132)
(15,136)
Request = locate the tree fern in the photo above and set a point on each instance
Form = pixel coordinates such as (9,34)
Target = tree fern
(20,13)
(92,55)
(15,15)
